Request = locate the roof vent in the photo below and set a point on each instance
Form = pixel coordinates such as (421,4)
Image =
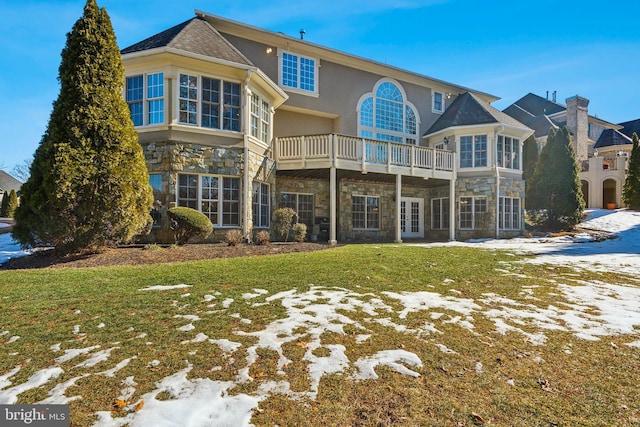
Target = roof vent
(302,33)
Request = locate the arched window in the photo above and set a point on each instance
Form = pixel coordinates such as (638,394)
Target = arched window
(386,115)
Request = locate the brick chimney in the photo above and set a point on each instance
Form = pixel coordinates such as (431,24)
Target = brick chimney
(578,125)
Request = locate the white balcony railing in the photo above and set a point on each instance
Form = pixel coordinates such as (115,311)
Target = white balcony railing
(343,150)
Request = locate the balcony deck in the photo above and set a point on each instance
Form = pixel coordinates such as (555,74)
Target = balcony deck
(364,155)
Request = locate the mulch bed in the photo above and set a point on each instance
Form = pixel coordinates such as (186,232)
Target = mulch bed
(136,255)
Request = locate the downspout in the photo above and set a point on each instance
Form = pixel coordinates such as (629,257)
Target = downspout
(245,171)
(495,163)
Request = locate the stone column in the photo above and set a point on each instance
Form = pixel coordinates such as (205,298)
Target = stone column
(578,125)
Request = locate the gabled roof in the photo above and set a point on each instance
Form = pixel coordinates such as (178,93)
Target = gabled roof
(541,125)
(537,105)
(8,183)
(195,36)
(467,110)
(612,137)
(628,128)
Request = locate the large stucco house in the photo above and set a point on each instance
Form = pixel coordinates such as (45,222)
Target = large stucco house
(237,121)
(602,148)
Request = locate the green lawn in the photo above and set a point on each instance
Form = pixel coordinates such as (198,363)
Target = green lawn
(478,337)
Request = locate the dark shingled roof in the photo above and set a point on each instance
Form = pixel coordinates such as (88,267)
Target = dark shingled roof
(467,110)
(541,125)
(537,105)
(196,36)
(630,127)
(611,137)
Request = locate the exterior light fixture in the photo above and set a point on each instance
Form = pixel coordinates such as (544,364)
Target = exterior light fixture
(269,50)
(595,153)
(446,141)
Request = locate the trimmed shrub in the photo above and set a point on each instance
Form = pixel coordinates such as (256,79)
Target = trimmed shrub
(188,224)
(281,221)
(233,237)
(262,237)
(299,232)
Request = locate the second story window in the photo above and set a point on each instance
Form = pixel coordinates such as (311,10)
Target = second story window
(473,151)
(208,102)
(298,72)
(386,115)
(145,97)
(260,119)
(438,102)
(508,151)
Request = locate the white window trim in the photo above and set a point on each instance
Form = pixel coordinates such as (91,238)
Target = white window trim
(406,103)
(500,140)
(442,213)
(297,194)
(220,200)
(199,102)
(473,151)
(145,98)
(501,222)
(366,228)
(473,211)
(268,207)
(316,74)
(433,102)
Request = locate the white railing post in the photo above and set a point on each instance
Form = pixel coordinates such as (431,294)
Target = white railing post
(364,154)
(334,149)
(303,148)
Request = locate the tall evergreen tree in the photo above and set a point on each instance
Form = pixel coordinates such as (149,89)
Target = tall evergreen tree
(5,205)
(555,184)
(88,184)
(529,160)
(631,189)
(9,210)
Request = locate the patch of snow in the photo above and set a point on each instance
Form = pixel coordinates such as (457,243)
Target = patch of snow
(74,352)
(112,372)
(164,287)
(13,339)
(41,377)
(186,328)
(57,394)
(226,346)
(391,358)
(96,358)
(226,303)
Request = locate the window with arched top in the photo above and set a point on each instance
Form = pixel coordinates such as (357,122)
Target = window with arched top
(386,115)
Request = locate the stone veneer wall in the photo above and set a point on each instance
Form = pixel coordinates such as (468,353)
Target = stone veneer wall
(169,158)
(319,189)
(485,186)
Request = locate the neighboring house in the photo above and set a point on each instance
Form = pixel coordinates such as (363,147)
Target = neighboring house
(630,127)
(237,121)
(8,183)
(601,147)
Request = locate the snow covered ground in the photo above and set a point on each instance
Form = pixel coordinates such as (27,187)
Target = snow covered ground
(621,254)
(593,310)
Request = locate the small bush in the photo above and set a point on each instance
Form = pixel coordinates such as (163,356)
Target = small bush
(281,222)
(188,224)
(233,237)
(299,232)
(9,204)
(262,237)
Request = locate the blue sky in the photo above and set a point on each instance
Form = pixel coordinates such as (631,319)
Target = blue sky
(503,47)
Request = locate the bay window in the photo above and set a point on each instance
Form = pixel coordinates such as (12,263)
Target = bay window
(209,102)
(473,151)
(144,95)
(218,197)
(509,215)
(508,150)
(473,211)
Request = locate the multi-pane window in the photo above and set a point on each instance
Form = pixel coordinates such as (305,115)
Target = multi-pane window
(473,151)
(134,98)
(155,98)
(260,119)
(298,72)
(438,102)
(473,212)
(302,204)
(261,205)
(387,116)
(365,212)
(146,106)
(508,150)
(208,102)
(188,99)
(509,215)
(440,214)
(218,197)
